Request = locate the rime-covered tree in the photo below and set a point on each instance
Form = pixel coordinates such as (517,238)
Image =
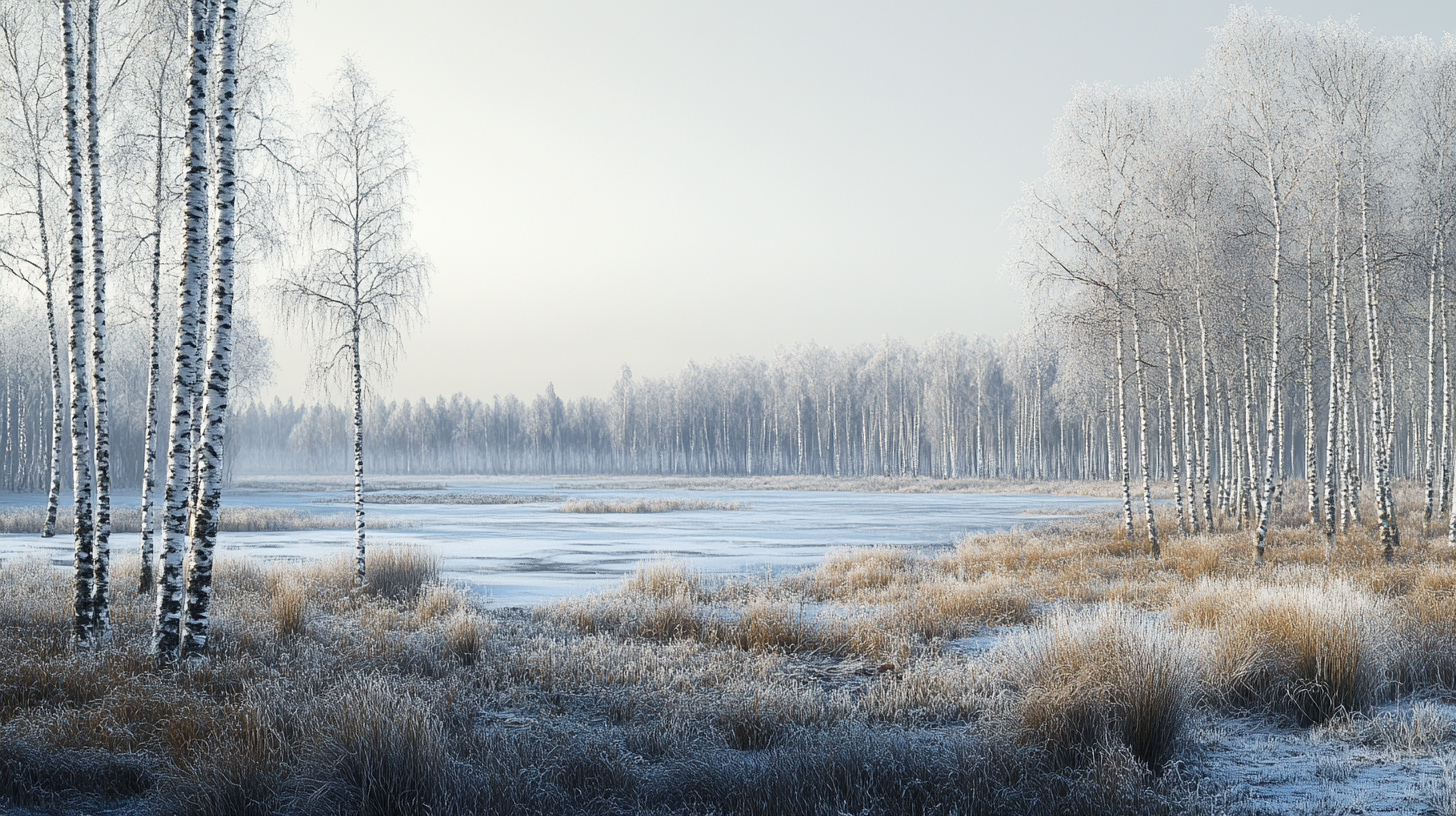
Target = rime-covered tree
(364,282)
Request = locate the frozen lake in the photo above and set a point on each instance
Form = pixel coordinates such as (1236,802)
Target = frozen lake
(523,554)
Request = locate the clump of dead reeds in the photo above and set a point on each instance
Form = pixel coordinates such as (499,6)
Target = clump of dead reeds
(288,604)
(953,609)
(845,574)
(664,579)
(647,505)
(1306,650)
(400,570)
(377,748)
(1109,677)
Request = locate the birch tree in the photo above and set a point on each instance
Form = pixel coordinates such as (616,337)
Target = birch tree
(1257,62)
(83,616)
(166,636)
(203,533)
(364,282)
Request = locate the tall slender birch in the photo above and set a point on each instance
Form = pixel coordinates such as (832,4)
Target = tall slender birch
(365,282)
(1125,469)
(101,424)
(1143,443)
(166,636)
(147,578)
(203,534)
(83,617)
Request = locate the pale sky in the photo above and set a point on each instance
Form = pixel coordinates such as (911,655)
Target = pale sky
(657,182)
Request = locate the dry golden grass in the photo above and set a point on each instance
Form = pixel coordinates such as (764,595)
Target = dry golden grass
(853,686)
(1111,675)
(664,579)
(232,520)
(400,570)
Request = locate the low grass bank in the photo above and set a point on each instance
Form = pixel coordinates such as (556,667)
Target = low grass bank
(432,497)
(408,698)
(232,520)
(646,505)
(1056,671)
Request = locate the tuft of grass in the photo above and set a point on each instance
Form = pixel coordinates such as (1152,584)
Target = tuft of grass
(1413,729)
(1309,651)
(845,574)
(664,579)
(378,749)
(770,627)
(1440,793)
(1108,677)
(952,609)
(288,604)
(465,636)
(400,571)
(646,505)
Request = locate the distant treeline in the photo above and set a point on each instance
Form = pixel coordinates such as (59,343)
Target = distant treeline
(955,406)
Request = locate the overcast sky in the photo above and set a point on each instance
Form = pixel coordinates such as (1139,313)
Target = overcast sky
(651,183)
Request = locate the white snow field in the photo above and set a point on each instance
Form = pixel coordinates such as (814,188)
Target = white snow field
(525,554)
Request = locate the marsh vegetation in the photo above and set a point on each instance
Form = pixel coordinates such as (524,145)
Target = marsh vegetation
(1054,671)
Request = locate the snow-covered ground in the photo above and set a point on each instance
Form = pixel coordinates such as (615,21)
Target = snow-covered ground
(523,554)
(1399,759)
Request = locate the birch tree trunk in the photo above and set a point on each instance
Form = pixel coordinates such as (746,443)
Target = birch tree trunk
(1266,504)
(101,422)
(358,375)
(1445,457)
(1137,353)
(1190,446)
(83,618)
(1389,531)
(166,637)
(1311,455)
(1122,436)
(1350,496)
(154,371)
(53,492)
(1332,416)
(1176,464)
(1430,446)
(203,534)
(1206,463)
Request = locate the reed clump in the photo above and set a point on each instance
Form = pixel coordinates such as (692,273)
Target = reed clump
(647,505)
(1310,651)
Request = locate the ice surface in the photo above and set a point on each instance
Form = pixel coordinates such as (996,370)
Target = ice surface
(524,554)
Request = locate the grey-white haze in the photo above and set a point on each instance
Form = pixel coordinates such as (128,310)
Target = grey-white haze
(656,182)
(523,554)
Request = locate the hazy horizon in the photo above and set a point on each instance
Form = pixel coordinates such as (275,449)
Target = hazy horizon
(652,183)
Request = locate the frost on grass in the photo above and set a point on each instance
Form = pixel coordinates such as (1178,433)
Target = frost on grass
(1104,681)
(231,520)
(435,497)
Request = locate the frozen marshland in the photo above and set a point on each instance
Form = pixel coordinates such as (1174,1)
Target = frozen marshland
(520,554)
